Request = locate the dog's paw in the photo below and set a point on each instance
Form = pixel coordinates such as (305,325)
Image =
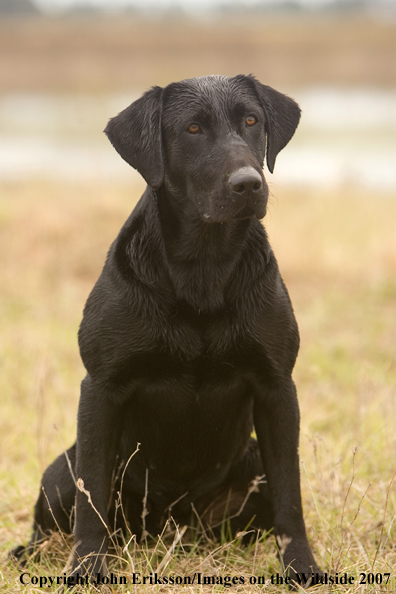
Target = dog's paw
(18,555)
(298,562)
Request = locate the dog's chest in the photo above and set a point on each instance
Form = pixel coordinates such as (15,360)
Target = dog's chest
(199,352)
(206,338)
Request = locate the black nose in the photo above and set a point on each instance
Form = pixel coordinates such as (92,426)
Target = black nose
(245,181)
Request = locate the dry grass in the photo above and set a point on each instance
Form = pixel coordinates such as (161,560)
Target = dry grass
(337,253)
(110,54)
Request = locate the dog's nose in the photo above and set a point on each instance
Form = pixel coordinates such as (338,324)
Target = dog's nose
(245,181)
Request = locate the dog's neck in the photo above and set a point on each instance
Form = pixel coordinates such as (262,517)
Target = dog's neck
(201,257)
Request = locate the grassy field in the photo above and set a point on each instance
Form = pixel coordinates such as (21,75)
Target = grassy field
(337,253)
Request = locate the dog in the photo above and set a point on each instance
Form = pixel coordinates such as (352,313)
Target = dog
(188,338)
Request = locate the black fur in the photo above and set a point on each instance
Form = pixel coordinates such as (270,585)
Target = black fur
(189,337)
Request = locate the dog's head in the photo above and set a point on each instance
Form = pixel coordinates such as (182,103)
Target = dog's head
(205,140)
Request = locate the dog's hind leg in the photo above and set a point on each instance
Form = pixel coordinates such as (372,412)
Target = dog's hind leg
(241,502)
(54,506)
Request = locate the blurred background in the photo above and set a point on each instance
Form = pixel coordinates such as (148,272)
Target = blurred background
(66,66)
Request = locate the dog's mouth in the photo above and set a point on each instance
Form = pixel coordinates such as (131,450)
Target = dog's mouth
(234,209)
(245,213)
(248,212)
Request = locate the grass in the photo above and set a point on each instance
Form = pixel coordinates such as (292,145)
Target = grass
(337,253)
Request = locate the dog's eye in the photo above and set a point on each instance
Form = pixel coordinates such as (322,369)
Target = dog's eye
(250,120)
(194,129)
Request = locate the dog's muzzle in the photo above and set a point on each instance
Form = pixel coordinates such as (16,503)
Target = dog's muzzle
(248,185)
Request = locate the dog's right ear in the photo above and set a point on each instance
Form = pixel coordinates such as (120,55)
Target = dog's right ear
(135,133)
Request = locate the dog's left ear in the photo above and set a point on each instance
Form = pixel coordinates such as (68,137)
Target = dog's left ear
(283,116)
(135,133)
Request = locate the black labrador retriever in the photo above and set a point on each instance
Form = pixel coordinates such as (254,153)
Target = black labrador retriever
(188,337)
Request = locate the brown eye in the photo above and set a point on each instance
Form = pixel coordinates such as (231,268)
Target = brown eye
(194,128)
(250,120)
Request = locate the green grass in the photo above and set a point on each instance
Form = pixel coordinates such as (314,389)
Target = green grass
(337,253)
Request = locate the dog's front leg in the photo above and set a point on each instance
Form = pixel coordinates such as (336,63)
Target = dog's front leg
(277,420)
(97,440)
